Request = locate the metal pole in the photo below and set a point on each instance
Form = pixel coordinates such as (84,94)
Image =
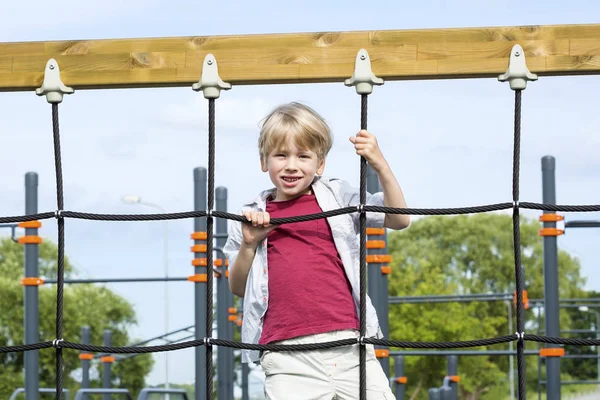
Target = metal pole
(399,372)
(551,309)
(224,365)
(166,310)
(375,279)
(511,367)
(200,184)
(453,371)
(31,358)
(86,338)
(106,381)
(245,368)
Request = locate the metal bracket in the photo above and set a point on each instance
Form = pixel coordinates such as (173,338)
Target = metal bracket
(210,82)
(517,73)
(363,77)
(52,87)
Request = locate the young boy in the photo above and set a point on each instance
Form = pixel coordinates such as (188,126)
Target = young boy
(300,281)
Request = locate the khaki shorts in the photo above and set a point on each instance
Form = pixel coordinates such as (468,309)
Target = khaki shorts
(323,374)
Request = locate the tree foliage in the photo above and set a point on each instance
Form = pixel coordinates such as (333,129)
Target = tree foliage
(469,255)
(84,304)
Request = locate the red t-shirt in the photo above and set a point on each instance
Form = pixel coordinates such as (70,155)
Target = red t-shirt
(309,292)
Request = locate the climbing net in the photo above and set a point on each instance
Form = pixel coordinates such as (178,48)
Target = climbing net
(363,79)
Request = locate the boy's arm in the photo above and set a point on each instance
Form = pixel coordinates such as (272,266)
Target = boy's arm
(238,272)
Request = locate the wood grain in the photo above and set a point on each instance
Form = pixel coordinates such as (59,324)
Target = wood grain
(302,58)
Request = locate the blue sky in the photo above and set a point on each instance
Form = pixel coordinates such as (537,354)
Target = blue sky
(449,142)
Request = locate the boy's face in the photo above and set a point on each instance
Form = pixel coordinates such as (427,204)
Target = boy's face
(292,170)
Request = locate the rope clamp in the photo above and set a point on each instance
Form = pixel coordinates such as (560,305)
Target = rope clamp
(58,214)
(517,74)
(52,87)
(360,208)
(361,340)
(56,343)
(363,78)
(210,82)
(209,213)
(520,335)
(207,341)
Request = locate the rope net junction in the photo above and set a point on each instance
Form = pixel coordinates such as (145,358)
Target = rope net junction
(363,79)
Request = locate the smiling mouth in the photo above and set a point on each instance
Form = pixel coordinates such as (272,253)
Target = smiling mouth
(290,179)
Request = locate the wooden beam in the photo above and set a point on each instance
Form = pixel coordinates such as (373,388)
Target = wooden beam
(303,57)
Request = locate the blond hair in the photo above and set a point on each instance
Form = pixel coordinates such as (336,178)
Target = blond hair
(298,121)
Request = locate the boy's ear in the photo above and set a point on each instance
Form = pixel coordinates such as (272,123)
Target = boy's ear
(321,167)
(263,164)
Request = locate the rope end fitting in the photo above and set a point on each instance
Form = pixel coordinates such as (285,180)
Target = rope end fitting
(517,74)
(210,82)
(52,87)
(363,77)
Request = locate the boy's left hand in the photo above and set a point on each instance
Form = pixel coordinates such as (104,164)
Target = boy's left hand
(366,145)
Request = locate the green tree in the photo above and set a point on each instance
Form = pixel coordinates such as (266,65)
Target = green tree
(84,304)
(468,255)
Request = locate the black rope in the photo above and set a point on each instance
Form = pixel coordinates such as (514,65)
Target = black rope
(61,251)
(209,244)
(517,246)
(363,257)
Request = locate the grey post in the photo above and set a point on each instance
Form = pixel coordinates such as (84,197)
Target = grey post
(200,187)
(434,394)
(31,292)
(453,371)
(224,326)
(399,373)
(551,306)
(245,367)
(86,338)
(376,281)
(106,373)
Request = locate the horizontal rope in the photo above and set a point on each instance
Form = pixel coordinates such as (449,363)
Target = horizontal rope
(298,347)
(302,218)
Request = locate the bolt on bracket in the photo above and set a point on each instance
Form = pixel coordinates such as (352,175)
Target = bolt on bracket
(52,87)
(363,77)
(517,74)
(210,82)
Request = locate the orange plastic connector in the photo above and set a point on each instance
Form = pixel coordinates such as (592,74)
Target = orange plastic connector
(525,299)
(375,231)
(386,270)
(552,352)
(30,240)
(232,310)
(455,379)
(402,379)
(551,218)
(107,359)
(197,278)
(199,236)
(551,232)
(232,318)
(375,244)
(86,356)
(380,353)
(379,258)
(238,322)
(199,248)
(30,224)
(31,281)
(201,262)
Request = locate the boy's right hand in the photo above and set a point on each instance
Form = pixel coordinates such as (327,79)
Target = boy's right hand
(254,233)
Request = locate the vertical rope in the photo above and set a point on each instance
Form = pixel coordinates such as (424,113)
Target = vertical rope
(209,245)
(363,255)
(61,251)
(517,246)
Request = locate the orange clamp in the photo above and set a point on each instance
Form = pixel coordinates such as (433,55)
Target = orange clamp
(30,240)
(197,278)
(86,356)
(380,353)
(551,218)
(551,232)
(32,281)
(199,236)
(454,378)
(199,248)
(201,262)
(232,310)
(402,379)
(379,258)
(375,231)
(525,299)
(386,270)
(30,224)
(552,352)
(232,318)
(375,244)
(107,359)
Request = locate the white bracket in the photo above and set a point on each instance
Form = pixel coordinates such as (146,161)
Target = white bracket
(517,74)
(210,82)
(52,87)
(363,77)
